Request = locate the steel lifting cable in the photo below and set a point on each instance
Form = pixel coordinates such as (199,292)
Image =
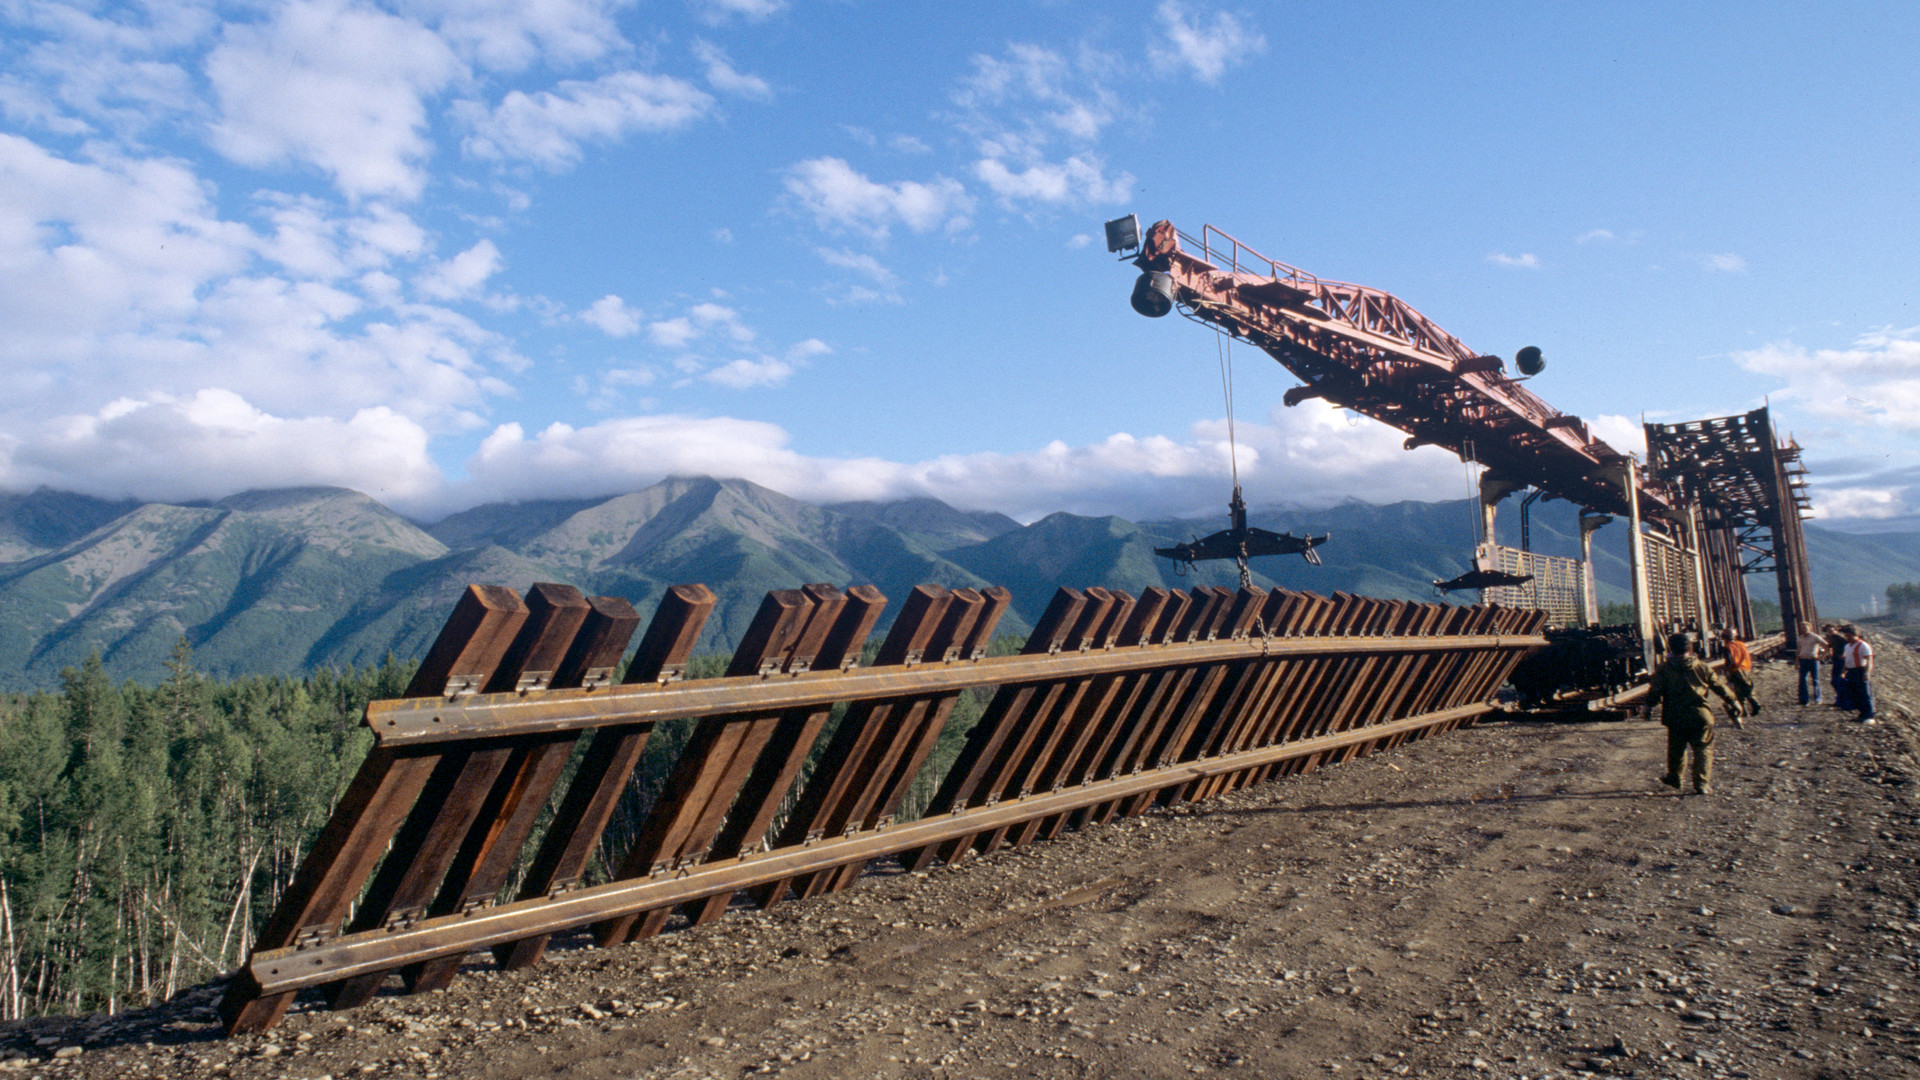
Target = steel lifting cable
(1467,461)
(1223,347)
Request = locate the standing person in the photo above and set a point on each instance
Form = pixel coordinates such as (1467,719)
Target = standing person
(1812,648)
(1740,671)
(1680,687)
(1859,662)
(1837,653)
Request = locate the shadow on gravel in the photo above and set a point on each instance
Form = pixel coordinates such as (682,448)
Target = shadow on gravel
(1428,804)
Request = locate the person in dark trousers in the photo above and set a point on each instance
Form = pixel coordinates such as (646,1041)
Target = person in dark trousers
(1859,666)
(1837,652)
(1740,671)
(1811,649)
(1680,687)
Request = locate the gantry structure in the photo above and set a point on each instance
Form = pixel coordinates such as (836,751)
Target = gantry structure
(1749,486)
(1716,500)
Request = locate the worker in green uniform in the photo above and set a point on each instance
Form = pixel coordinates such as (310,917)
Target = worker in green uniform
(1680,687)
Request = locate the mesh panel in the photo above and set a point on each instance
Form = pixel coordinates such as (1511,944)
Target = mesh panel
(1670,582)
(1555,587)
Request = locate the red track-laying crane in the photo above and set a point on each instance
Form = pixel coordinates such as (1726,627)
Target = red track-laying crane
(1367,350)
(1713,492)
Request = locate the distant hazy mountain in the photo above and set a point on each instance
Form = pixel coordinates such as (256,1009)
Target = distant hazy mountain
(252,581)
(932,522)
(44,520)
(280,581)
(1851,571)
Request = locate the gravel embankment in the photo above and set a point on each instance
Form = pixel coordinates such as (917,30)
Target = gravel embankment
(1517,900)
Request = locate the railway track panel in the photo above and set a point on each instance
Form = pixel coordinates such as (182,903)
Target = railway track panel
(1118,704)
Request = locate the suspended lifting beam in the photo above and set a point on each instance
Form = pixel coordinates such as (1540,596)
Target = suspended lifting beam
(1241,542)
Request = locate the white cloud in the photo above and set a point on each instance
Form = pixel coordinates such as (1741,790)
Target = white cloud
(1205,48)
(335,85)
(381,233)
(837,195)
(1018,107)
(1031,95)
(700,321)
(119,278)
(808,349)
(865,265)
(72,72)
(1305,456)
(461,276)
(720,11)
(511,35)
(744,374)
(1596,236)
(106,247)
(1864,503)
(673,333)
(711,339)
(636,376)
(1860,407)
(549,127)
(722,76)
(1623,433)
(1079,240)
(1726,263)
(612,317)
(907,144)
(1079,181)
(1525,261)
(884,290)
(1873,385)
(213,443)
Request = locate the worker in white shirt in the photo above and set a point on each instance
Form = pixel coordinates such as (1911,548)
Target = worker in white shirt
(1858,660)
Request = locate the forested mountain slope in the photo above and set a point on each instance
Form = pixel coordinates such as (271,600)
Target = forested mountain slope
(280,582)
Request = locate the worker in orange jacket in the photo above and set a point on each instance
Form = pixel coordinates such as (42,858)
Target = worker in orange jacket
(1740,672)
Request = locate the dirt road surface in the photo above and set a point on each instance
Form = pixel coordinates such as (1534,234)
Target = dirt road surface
(1515,900)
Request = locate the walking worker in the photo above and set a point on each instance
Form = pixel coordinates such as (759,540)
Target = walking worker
(1740,671)
(1680,687)
(1812,649)
(1859,665)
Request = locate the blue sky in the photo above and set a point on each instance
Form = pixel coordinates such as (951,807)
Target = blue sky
(457,251)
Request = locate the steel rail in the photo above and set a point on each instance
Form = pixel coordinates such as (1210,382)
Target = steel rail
(418,721)
(285,970)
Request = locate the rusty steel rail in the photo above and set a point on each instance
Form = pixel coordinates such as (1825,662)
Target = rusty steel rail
(1116,704)
(282,970)
(407,722)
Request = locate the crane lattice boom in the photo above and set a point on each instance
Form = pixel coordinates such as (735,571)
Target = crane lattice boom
(1367,350)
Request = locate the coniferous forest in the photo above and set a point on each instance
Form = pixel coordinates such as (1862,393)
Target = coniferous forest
(145,832)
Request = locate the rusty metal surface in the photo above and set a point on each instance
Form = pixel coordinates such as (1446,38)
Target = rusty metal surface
(1116,705)
(1365,349)
(288,970)
(1752,496)
(402,722)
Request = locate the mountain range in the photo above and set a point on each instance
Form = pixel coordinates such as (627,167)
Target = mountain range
(285,580)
